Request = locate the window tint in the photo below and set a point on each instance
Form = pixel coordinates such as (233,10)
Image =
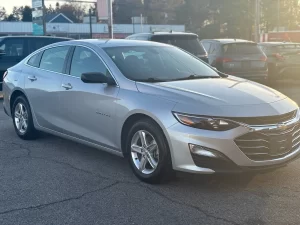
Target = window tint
(186,42)
(150,63)
(86,61)
(13,47)
(241,48)
(53,59)
(35,60)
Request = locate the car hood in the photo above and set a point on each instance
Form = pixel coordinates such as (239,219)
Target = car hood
(221,96)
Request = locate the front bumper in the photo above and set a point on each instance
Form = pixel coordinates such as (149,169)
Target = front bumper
(234,160)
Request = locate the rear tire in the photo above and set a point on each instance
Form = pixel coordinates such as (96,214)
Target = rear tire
(22,119)
(148,152)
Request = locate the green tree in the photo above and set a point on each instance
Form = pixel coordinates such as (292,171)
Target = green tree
(2,13)
(27,14)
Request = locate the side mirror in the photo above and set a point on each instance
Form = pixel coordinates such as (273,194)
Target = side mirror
(97,78)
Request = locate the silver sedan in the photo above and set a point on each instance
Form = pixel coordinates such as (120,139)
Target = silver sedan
(158,106)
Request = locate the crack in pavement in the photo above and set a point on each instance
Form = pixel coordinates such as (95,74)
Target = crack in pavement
(60,201)
(207,214)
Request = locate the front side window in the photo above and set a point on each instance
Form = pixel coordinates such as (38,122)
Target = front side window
(86,61)
(53,59)
(13,47)
(156,63)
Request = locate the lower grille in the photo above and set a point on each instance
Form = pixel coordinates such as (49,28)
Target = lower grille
(268,145)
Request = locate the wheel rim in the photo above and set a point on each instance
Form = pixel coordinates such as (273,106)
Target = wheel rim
(144,152)
(21,118)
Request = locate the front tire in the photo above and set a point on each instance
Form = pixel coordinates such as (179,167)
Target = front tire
(148,152)
(22,119)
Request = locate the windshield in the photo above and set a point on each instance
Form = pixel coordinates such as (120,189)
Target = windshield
(188,43)
(241,48)
(153,63)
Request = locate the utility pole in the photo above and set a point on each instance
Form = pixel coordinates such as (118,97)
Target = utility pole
(257,20)
(44,17)
(278,15)
(110,19)
(90,16)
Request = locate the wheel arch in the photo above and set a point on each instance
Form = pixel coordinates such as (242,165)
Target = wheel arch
(133,118)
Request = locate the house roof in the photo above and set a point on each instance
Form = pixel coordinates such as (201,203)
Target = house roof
(57,18)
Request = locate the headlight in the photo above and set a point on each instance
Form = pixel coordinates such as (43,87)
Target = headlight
(205,123)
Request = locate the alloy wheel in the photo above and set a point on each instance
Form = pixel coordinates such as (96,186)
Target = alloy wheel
(144,152)
(21,118)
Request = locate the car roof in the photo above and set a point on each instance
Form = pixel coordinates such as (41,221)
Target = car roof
(113,42)
(277,43)
(228,41)
(171,33)
(23,36)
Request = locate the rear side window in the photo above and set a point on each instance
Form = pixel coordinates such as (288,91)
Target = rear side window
(53,59)
(189,43)
(241,48)
(35,60)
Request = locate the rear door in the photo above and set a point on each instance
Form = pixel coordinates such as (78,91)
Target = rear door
(43,80)
(242,57)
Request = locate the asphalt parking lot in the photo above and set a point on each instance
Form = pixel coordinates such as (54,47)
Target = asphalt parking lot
(55,181)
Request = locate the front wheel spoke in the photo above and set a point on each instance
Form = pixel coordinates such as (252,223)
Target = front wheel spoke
(137,149)
(24,124)
(152,147)
(143,138)
(151,161)
(142,165)
(18,115)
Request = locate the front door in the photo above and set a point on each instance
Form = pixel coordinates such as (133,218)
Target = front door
(88,110)
(43,84)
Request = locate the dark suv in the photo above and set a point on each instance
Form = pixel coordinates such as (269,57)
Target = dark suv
(237,57)
(186,41)
(283,59)
(15,48)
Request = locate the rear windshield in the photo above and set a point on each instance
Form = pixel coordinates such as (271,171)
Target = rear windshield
(241,48)
(286,48)
(188,43)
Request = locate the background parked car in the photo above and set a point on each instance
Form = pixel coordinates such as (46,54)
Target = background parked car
(15,48)
(237,57)
(187,41)
(283,59)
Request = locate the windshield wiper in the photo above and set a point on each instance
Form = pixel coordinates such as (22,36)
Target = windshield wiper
(151,80)
(192,77)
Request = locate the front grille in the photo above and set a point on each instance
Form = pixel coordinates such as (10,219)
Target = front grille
(266,119)
(268,145)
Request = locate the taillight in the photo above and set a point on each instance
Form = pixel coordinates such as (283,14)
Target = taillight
(263,58)
(224,60)
(5,74)
(278,56)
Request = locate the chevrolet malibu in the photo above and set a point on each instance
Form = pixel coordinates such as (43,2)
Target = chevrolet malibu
(154,104)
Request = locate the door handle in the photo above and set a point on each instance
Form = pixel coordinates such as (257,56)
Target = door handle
(67,86)
(32,78)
